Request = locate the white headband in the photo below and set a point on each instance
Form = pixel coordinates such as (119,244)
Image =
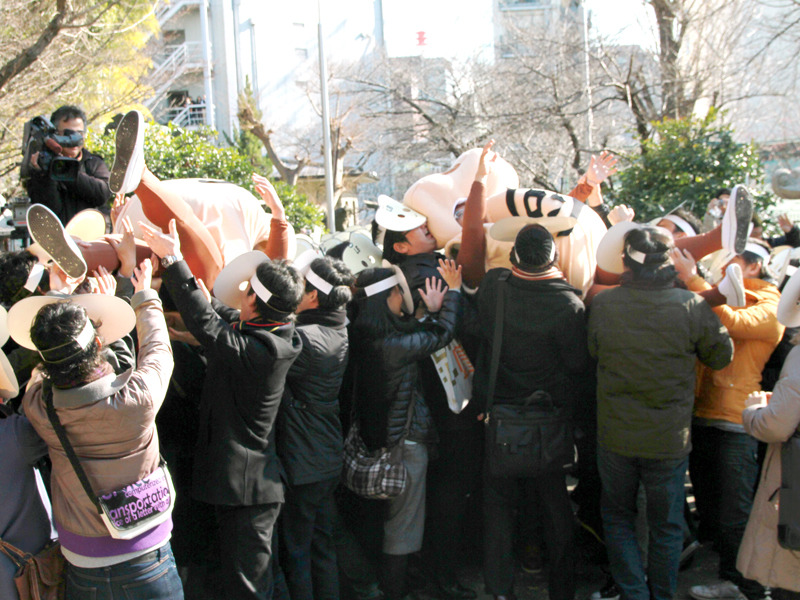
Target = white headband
(635,255)
(681,223)
(259,289)
(757,250)
(34,278)
(83,339)
(303,262)
(318,282)
(382,285)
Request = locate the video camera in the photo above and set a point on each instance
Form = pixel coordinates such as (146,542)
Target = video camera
(40,136)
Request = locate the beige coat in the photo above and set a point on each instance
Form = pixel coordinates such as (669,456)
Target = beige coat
(760,556)
(110,422)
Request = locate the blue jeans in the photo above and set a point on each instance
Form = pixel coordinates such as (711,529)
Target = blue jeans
(663,482)
(152,576)
(724,471)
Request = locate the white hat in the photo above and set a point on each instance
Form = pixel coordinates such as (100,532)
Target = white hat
(610,248)
(303,261)
(361,253)
(394,216)
(780,260)
(506,230)
(3,326)
(303,243)
(236,275)
(788,309)
(87,225)
(115,316)
(9,386)
(329,241)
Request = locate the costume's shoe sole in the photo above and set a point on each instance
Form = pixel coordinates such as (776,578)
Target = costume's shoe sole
(741,204)
(129,158)
(47,231)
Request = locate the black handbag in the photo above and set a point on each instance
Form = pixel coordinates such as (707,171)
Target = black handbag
(529,437)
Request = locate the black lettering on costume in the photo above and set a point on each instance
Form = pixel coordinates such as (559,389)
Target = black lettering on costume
(512,208)
(539,195)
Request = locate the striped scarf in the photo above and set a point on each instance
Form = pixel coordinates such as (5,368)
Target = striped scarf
(551,273)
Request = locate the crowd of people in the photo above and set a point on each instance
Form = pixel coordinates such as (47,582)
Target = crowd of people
(184,412)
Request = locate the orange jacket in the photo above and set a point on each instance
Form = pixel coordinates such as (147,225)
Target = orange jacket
(755,332)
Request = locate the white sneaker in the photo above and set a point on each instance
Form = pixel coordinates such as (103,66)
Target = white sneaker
(736,220)
(732,286)
(609,591)
(129,158)
(716,591)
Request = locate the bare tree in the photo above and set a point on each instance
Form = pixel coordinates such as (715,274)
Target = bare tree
(68,51)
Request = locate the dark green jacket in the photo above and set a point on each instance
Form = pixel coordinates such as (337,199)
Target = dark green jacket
(647,342)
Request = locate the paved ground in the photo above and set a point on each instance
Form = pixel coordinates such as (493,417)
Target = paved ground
(590,577)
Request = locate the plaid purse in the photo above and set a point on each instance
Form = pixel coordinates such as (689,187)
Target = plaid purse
(376,475)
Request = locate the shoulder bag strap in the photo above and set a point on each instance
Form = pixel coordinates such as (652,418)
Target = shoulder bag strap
(47,393)
(497,341)
(15,555)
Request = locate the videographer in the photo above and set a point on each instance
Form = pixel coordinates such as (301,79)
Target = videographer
(90,187)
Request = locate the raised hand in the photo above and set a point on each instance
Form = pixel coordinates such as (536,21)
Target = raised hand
(125,248)
(106,284)
(621,213)
(61,282)
(269,195)
(433,294)
(684,262)
(119,203)
(142,275)
(450,273)
(486,162)
(601,168)
(160,243)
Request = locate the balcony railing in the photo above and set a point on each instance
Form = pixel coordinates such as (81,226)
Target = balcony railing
(190,115)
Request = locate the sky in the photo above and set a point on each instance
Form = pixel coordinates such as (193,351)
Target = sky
(450,29)
(627,21)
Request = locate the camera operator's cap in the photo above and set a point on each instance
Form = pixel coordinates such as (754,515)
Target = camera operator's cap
(789,304)
(612,245)
(9,386)
(394,216)
(361,253)
(235,277)
(48,232)
(400,277)
(114,315)
(87,225)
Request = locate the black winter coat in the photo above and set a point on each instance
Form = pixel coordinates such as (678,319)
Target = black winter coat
(309,429)
(67,198)
(235,462)
(544,339)
(387,378)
